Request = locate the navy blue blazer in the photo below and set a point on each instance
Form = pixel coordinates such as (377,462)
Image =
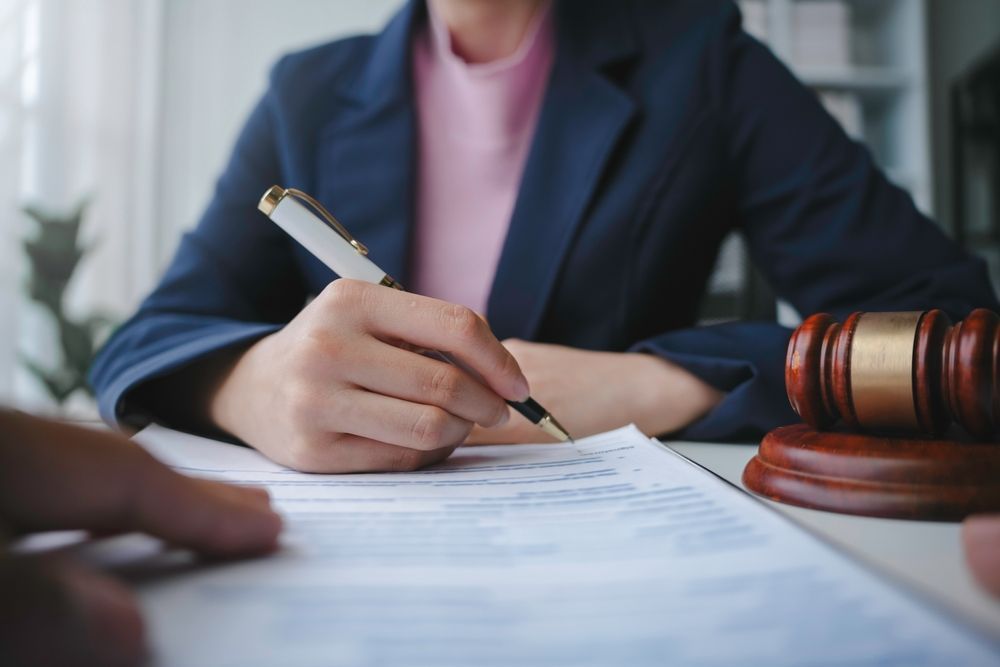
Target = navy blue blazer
(664,127)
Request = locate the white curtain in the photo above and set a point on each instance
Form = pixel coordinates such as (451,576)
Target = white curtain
(17,55)
(78,121)
(126,103)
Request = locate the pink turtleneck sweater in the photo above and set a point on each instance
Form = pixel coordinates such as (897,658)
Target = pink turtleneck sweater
(475,125)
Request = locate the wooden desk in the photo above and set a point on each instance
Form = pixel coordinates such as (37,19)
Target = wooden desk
(926,556)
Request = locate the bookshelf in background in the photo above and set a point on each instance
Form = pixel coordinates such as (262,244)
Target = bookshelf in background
(975,159)
(867,61)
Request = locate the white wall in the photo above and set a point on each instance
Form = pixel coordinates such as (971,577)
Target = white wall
(216,59)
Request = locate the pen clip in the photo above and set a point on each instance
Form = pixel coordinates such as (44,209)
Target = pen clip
(328,218)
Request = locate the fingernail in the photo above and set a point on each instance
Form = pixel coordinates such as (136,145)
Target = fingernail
(258,493)
(257,533)
(504,417)
(270,526)
(277,523)
(521,389)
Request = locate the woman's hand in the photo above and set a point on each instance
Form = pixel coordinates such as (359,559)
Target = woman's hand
(54,611)
(342,389)
(591,392)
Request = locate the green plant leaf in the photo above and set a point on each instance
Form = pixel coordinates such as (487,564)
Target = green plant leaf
(58,383)
(54,253)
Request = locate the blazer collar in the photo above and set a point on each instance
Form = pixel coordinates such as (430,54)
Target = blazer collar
(384,78)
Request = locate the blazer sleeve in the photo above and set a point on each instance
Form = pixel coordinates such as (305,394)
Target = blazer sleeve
(824,225)
(233,279)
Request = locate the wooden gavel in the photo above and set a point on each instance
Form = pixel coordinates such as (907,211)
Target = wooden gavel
(902,372)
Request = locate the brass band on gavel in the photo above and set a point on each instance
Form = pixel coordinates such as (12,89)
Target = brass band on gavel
(904,372)
(880,371)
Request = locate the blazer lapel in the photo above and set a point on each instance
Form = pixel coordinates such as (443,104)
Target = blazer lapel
(367,152)
(582,118)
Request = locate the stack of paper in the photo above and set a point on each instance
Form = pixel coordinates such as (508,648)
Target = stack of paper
(615,551)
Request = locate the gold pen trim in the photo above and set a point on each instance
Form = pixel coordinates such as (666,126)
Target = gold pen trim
(276,193)
(549,424)
(389,281)
(271,199)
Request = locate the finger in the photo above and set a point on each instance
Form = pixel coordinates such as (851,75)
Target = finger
(981,535)
(355,454)
(391,371)
(56,476)
(253,496)
(262,495)
(213,518)
(53,612)
(435,325)
(396,422)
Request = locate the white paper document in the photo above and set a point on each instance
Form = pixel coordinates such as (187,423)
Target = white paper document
(616,551)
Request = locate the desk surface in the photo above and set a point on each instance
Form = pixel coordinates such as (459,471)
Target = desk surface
(927,556)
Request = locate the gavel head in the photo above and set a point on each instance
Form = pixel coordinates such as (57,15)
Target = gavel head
(901,372)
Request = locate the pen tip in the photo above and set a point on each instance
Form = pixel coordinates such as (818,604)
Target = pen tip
(555,429)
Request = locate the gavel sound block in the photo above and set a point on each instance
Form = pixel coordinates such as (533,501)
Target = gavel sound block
(901,412)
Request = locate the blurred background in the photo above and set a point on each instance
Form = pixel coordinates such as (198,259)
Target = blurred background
(117,115)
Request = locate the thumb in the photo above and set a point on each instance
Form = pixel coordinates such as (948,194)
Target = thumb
(54,612)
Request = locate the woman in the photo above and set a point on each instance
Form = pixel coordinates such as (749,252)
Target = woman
(566,169)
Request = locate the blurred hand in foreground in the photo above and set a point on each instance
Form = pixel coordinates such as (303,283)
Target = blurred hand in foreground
(54,611)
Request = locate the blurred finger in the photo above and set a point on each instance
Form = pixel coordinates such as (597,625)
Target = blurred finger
(108,484)
(53,612)
(981,536)
(212,518)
